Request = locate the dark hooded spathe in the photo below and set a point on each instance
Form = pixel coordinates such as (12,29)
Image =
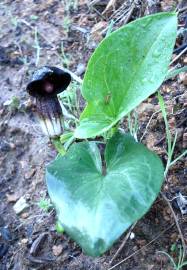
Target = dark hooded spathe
(46,84)
(45,78)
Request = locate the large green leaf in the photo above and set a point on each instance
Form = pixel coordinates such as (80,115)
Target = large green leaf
(96,205)
(126,68)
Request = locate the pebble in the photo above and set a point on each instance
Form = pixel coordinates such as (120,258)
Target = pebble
(132,235)
(184,140)
(185,60)
(24,241)
(20,205)
(161,258)
(24,215)
(12,197)
(145,107)
(80,69)
(151,140)
(174,237)
(141,242)
(172,122)
(183,78)
(57,250)
(92,45)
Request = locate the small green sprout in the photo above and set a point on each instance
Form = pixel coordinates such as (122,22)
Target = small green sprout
(171,142)
(45,204)
(180,263)
(59,228)
(65,58)
(13,104)
(58,145)
(66,23)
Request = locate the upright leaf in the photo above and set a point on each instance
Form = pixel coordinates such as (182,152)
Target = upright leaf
(96,205)
(127,67)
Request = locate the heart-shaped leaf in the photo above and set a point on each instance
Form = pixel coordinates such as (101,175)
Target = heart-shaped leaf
(126,68)
(96,205)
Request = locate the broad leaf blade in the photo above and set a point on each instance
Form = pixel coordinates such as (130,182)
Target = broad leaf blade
(96,208)
(126,68)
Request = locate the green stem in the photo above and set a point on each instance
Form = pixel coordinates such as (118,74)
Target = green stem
(58,146)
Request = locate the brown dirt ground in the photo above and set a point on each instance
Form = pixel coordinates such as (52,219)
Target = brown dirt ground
(46,24)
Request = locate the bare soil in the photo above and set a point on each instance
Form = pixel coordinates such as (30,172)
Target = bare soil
(34,33)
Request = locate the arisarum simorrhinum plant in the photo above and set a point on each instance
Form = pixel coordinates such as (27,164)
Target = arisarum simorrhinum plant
(95,208)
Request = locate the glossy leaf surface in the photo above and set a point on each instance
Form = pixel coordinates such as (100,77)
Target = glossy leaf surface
(127,67)
(96,205)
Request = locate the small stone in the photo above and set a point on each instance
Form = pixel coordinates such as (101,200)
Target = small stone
(25,215)
(57,250)
(141,242)
(151,140)
(23,164)
(184,140)
(174,237)
(12,197)
(20,205)
(183,78)
(92,45)
(24,241)
(80,69)
(185,60)
(161,258)
(12,146)
(146,107)
(172,122)
(132,235)
(156,220)
(167,218)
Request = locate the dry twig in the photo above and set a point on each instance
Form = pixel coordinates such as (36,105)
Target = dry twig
(111,4)
(149,122)
(127,18)
(178,56)
(176,222)
(139,250)
(123,243)
(182,9)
